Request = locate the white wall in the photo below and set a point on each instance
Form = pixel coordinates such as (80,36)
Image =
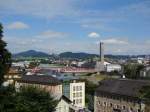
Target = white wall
(77,93)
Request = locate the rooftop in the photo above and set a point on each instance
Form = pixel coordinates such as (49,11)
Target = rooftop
(124,87)
(39,79)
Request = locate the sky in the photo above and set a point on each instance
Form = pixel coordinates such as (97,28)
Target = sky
(55,26)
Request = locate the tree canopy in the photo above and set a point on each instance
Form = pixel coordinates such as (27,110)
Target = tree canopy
(5,56)
(133,70)
(29,99)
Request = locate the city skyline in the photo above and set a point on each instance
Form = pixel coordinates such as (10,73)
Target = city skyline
(77,26)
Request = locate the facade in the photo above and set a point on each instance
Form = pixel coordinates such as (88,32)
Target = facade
(145,73)
(13,74)
(120,96)
(64,105)
(48,83)
(113,67)
(75,91)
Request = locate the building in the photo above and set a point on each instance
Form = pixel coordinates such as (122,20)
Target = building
(13,74)
(120,95)
(47,83)
(64,105)
(145,73)
(113,67)
(75,90)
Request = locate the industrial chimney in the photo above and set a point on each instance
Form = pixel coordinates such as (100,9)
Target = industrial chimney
(102,52)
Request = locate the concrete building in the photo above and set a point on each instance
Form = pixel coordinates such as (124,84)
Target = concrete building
(47,83)
(113,67)
(120,95)
(75,90)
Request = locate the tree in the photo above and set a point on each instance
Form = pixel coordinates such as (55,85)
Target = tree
(133,70)
(28,99)
(89,96)
(33,64)
(5,57)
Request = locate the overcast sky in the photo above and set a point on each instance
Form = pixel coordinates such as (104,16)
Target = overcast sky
(55,26)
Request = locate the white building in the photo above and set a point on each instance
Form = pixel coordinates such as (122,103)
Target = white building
(113,67)
(75,91)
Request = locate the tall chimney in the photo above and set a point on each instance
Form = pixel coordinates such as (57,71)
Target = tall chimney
(102,52)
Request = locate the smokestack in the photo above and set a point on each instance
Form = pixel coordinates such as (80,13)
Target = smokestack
(102,52)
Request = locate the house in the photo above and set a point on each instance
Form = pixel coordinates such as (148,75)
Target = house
(120,95)
(64,104)
(48,83)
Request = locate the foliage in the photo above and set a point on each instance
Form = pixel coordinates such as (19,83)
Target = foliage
(145,93)
(133,70)
(26,100)
(33,64)
(5,57)
(89,93)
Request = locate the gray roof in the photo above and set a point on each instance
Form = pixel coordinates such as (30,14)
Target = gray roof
(123,87)
(39,79)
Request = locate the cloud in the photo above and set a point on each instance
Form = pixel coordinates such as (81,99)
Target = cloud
(93,35)
(17,25)
(49,34)
(114,41)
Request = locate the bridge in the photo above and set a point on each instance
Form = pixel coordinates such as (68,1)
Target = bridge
(76,70)
(67,70)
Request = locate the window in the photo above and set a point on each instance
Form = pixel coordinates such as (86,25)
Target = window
(77,88)
(80,88)
(104,103)
(80,101)
(74,95)
(111,104)
(99,102)
(74,88)
(77,101)
(80,94)
(124,107)
(73,101)
(117,106)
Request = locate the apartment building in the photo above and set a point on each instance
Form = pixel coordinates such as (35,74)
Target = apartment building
(120,95)
(75,90)
(48,83)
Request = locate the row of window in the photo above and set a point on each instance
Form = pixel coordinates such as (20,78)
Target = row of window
(77,101)
(78,94)
(115,106)
(77,88)
(118,98)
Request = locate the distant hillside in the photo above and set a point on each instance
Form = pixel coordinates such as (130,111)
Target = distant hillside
(76,55)
(80,55)
(31,53)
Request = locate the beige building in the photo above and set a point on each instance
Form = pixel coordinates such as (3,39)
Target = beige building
(48,83)
(120,96)
(12,75)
